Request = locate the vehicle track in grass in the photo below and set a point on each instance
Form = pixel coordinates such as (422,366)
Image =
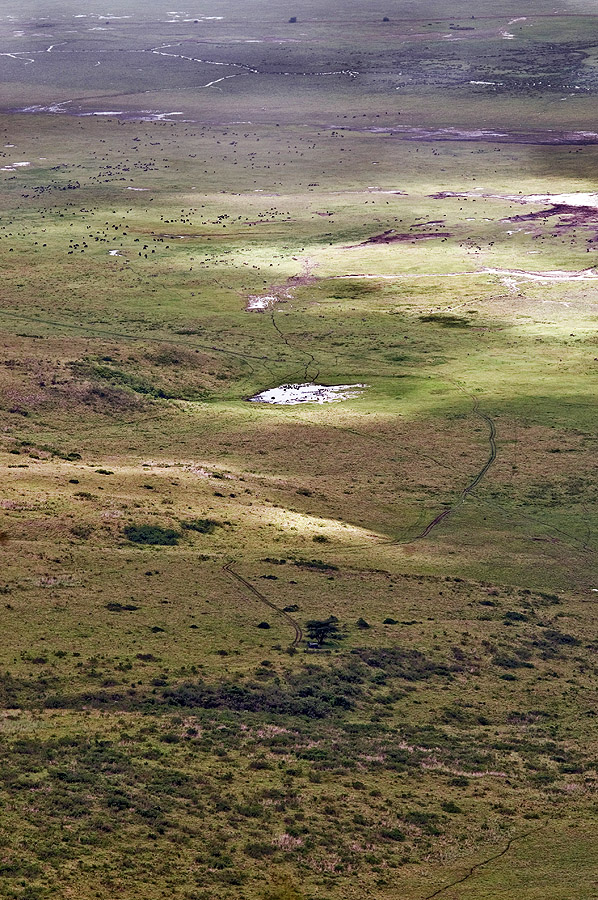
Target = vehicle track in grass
(311,358)
(249,587)
(473,869)
(472,484)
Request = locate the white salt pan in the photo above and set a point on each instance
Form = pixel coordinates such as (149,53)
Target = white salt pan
(263,302)
(292,394)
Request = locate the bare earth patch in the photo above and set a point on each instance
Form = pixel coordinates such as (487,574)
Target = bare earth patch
(553,276)
(279,293)
(393,237)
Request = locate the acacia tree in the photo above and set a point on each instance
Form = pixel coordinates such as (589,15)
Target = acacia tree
(321,630)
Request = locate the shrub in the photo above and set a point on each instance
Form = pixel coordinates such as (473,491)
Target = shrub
(459,781)
(152,534)
(514,616)
(397,663)
(451,807)
(259,849)
(315,564)
(82,530)
(203,526)
(423,820)
(392,834)
(553,636)
(509,661)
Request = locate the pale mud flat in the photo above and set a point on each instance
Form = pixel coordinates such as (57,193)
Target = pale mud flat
(12,167)
(63,107)
(419,133)
(555,276)
(293,394)
(262,302)
(586,199)
(574,199)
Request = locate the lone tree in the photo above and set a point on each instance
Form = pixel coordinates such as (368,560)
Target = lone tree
(321,630)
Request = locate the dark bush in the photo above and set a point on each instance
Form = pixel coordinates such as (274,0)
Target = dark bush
(82,530)
(151,535)
(515,617)
(392,834)
(552,636)
(396,663)
(508,661)
(259,849)
(315,564)
(311,693)
(203,526)
(451,807)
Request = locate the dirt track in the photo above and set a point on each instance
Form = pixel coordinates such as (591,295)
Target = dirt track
(472,484)
(249,587)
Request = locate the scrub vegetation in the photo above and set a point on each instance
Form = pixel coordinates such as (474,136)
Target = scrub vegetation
(315,651)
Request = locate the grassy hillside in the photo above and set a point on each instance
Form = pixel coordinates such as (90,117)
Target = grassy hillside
(422,222)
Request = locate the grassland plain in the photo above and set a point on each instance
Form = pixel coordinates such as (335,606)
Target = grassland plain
(411,205)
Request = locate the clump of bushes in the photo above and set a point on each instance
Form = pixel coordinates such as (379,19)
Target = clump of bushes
(152,535)
(317,564)
(259,849)
(312,693)
(82,530)
(203,526)
(411,665)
